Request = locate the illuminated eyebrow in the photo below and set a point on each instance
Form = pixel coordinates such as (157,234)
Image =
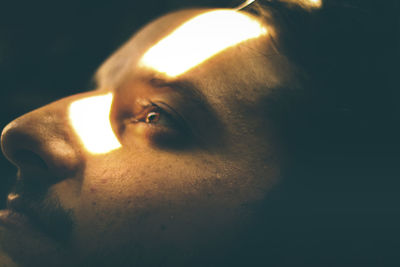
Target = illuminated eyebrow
(199,39)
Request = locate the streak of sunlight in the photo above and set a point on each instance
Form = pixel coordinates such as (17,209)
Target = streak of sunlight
(90,118)
(199,39)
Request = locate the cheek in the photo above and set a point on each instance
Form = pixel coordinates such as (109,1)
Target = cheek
(143,182)
(152,199)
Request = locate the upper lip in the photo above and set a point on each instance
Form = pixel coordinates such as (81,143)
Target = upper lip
(14,214)
(51,222)
(29,199)
(15,203)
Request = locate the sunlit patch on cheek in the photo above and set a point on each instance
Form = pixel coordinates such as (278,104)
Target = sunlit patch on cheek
(90,119)
(199,39)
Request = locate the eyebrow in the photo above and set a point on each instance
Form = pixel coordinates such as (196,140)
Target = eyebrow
(185,88)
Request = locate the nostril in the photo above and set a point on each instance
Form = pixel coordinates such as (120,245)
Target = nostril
(29,159)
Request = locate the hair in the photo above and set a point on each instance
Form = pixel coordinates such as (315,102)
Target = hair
(348,56)
(342,129)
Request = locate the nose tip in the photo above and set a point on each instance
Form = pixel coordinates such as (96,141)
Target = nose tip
(17,147)
(39,144)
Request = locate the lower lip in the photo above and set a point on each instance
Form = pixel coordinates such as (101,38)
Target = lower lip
(9,218)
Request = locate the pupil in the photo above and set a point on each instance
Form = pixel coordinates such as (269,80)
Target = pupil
(152,117)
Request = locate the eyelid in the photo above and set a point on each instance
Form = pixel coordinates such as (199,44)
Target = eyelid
(166,110)
(171,112)
(145,109)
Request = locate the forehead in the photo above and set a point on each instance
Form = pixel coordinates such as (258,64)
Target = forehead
(183,42)
(199,39)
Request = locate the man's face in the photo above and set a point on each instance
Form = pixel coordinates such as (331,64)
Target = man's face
(192,151)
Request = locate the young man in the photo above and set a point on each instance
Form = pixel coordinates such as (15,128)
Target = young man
(172,159)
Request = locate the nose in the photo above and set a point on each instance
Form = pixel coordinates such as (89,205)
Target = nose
(41,145)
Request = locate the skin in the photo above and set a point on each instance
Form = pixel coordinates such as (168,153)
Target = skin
(170,195)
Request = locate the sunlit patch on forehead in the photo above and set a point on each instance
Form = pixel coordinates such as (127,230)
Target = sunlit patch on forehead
(199,39)
(90,118)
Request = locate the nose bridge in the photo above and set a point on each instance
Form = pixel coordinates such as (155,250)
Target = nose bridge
(43,139)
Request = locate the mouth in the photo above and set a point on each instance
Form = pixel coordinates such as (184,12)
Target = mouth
(22,212)
(15,203)
(13,217)
(21,241)
(10,218)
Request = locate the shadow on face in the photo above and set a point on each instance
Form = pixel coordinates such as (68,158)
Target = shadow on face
(174,159)
(163,162)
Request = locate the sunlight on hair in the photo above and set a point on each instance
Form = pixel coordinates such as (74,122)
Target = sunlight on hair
(199,39)
(90,118)
(307,4)
(315,3)
(245,4)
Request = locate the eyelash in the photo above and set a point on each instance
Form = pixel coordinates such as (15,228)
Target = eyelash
(161,124)
(152,114)
(144,115)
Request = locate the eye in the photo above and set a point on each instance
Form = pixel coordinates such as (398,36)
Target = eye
(155,115)
(160,124)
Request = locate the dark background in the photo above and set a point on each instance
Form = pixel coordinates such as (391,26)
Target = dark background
(51,49)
